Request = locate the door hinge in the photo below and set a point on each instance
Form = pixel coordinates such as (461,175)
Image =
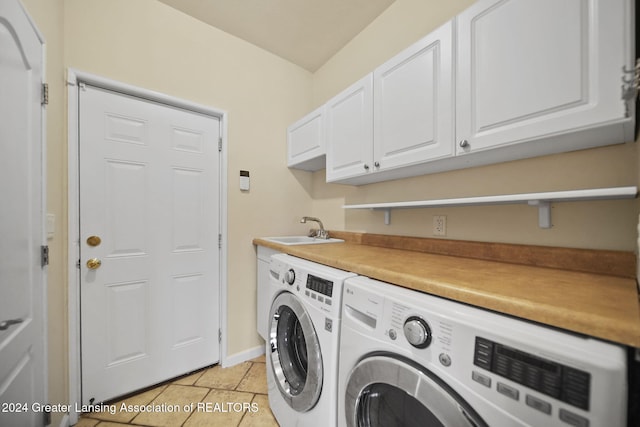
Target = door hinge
(45,94)
(47,417)
(44,255)
(219,241)
(219,336)
(630,85)
(220,144)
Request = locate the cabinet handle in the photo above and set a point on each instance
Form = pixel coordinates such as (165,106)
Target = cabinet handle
(366,167)
(464,143)
(376,164)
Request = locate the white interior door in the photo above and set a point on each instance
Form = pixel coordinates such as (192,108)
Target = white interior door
(149,220)
(22,276)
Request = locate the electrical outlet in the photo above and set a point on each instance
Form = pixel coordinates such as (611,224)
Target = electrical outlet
(439,225)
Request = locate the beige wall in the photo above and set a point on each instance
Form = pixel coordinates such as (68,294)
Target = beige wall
(605,225)
(148,44)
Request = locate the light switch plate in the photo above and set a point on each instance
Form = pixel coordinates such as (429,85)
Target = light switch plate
(245,183)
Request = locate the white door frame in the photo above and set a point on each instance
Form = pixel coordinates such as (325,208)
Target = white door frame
(74,78)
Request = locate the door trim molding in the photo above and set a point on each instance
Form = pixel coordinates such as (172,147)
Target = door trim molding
(74,78)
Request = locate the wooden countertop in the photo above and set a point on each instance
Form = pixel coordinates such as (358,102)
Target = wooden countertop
(598,305)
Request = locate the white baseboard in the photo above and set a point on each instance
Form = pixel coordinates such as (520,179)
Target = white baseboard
(243,356)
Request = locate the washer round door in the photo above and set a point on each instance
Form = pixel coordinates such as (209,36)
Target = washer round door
(295,353)
(389,391)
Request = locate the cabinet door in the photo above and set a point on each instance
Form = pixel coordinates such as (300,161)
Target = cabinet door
(306,142)
(413,103)
(349,118)
(529,69)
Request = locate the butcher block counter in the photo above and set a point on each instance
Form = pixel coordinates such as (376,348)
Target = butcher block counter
(588,292)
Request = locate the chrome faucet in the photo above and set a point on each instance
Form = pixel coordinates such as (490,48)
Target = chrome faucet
(321,233)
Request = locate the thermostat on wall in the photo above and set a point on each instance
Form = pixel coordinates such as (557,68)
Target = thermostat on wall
(244,181)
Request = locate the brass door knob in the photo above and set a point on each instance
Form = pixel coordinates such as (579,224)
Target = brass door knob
(94,263)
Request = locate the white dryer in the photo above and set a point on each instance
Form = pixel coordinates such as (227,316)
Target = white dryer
(412,359)
(303,339)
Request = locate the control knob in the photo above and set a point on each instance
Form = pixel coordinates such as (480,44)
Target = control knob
(417,332)
(290,276)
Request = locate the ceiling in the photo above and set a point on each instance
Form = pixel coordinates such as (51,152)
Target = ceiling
(305,32)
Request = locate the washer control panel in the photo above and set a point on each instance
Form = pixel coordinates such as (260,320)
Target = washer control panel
(320,285)
(317,285)
(567,384)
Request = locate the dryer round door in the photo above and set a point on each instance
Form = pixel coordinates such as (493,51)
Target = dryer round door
(389,390)
(295,353)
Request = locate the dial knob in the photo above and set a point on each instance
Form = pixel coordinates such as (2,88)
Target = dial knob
(290,276)
(417,332)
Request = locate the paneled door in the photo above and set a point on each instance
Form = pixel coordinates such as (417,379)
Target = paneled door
(22,274)
(149,251)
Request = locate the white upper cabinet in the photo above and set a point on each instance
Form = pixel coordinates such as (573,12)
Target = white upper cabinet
(504,80)
(399,116)
(349,130)
(536,70)
(306,142)
(413,103)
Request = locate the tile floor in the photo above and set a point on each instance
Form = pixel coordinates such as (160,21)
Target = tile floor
(230,397)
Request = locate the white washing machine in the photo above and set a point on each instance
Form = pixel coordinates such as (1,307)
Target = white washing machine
(412,359)
(303,339)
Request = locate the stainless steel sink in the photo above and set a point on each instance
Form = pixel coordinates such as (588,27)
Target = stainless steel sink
(301,240)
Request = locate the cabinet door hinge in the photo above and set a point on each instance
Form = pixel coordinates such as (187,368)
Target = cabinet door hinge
(45,94)
(44,255)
